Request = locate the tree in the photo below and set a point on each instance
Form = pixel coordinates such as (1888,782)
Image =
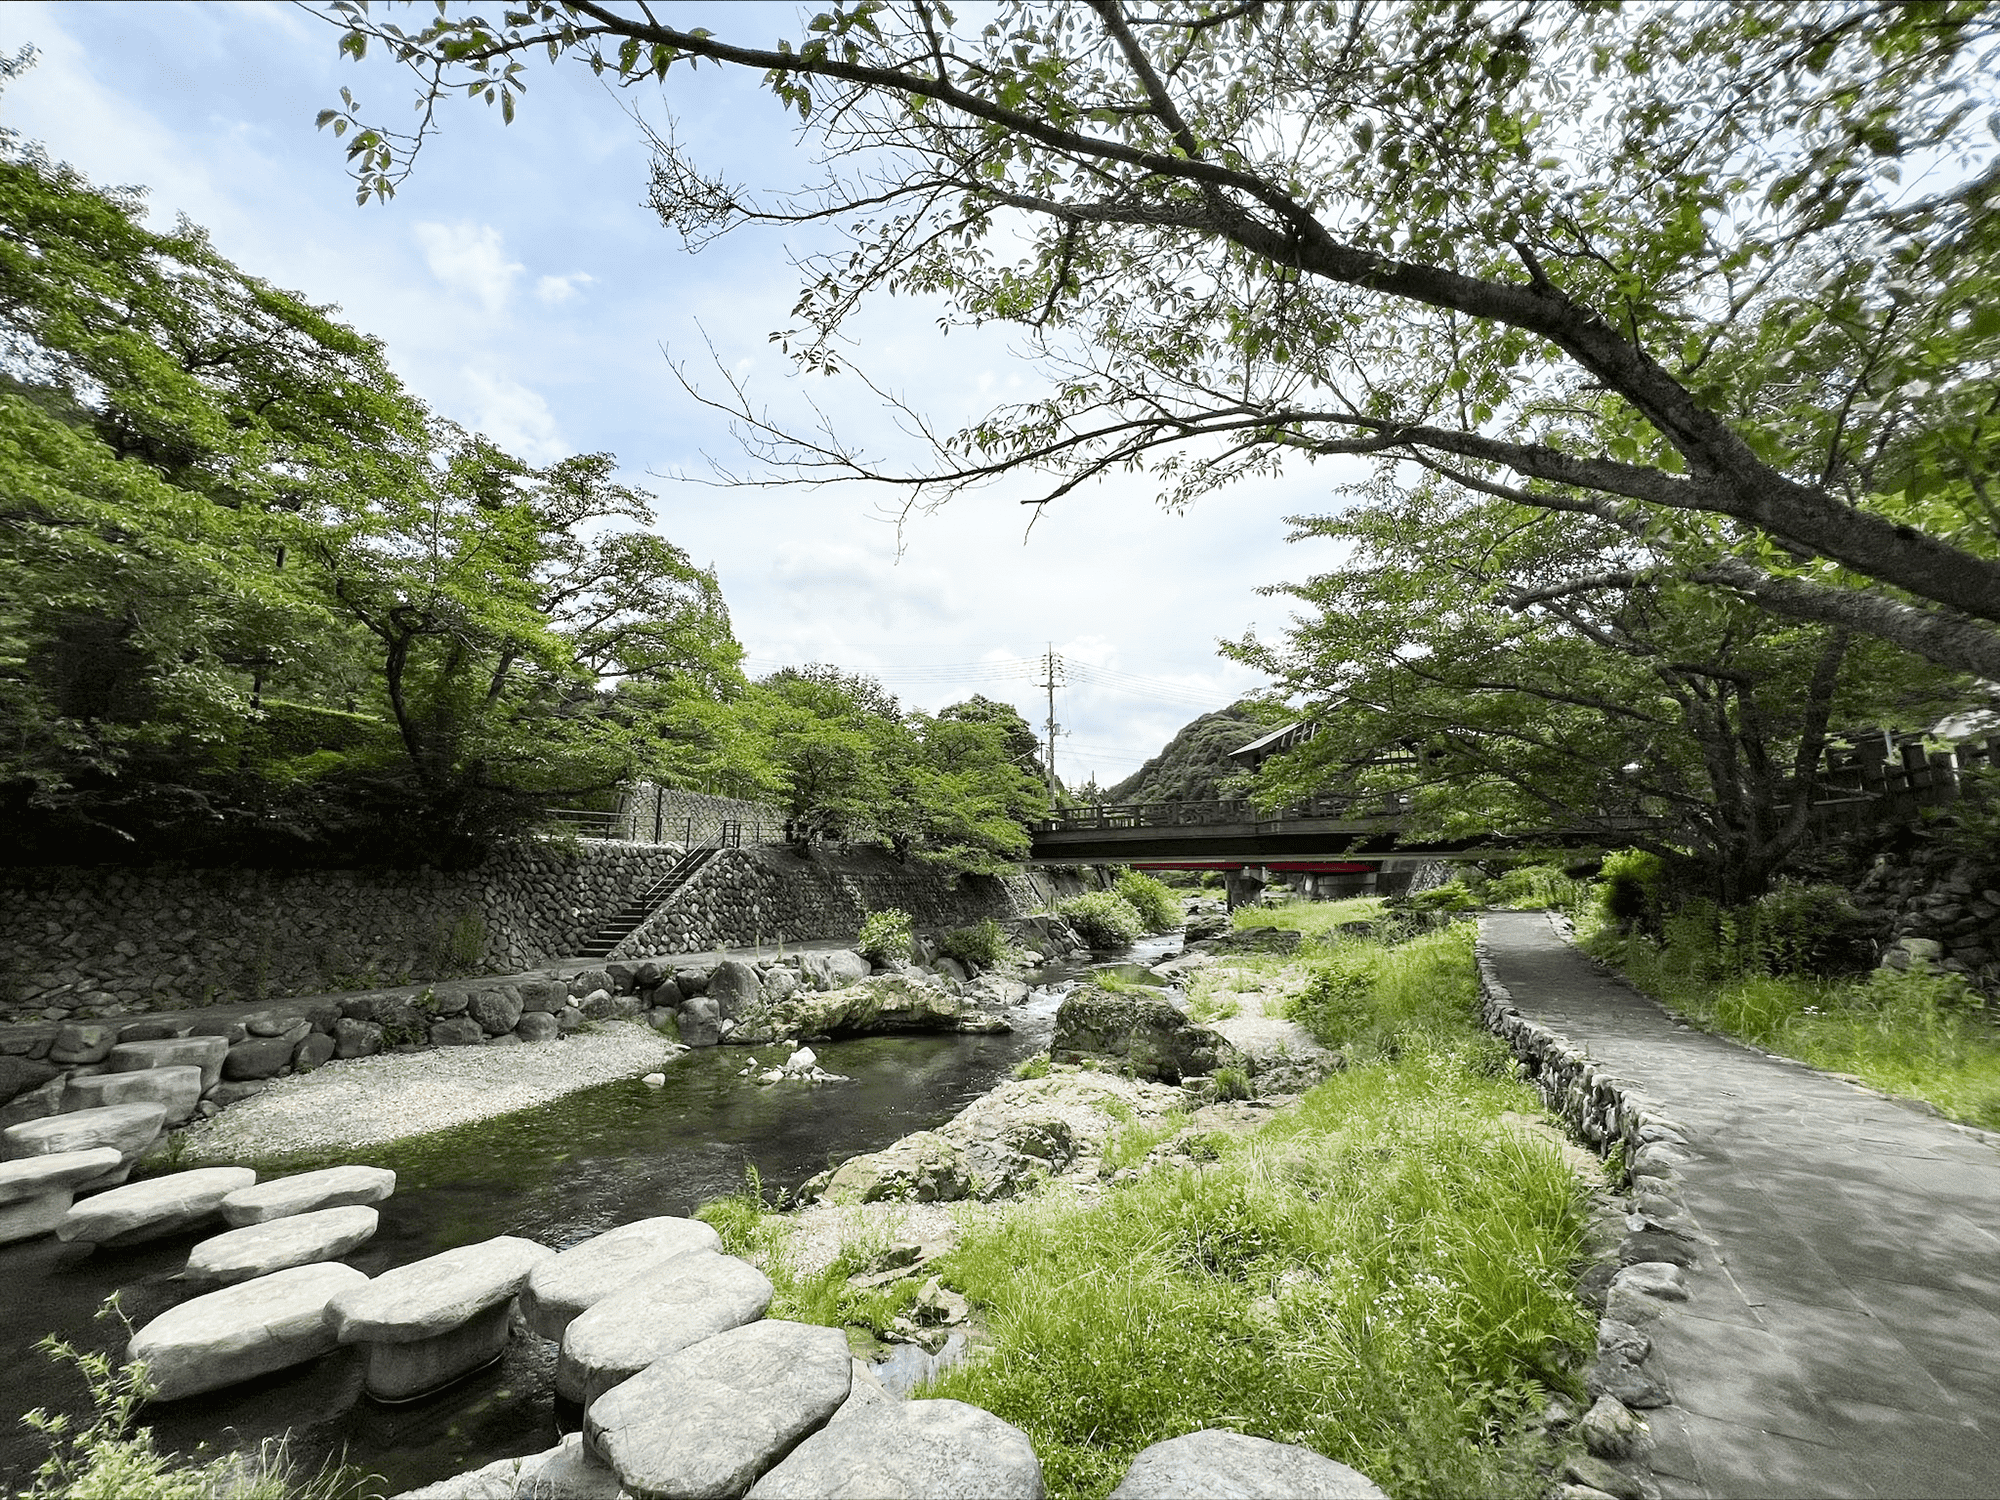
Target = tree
(1720,276)
(1648,712)
(970,789)
(257,602)
(835,740)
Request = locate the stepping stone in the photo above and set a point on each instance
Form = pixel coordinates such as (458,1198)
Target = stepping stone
(177,1087)
(242,1331)
(1215,1465)
(329,1187)
(127,1128)
(709,1420)
(423,1325)
(687,1299)
(567,1471)
(299,1240)
(148,1210)
(584,1274)
(204,1052)
(910,1450)
(36,1191)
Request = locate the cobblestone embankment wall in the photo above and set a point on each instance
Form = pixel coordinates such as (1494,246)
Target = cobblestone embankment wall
(110,942)
(747,897)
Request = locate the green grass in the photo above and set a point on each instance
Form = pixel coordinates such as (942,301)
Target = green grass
(1383,1273)
(1921,1034)
(1316,919)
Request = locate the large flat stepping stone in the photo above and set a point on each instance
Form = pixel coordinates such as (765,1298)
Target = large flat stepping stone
(424,1325)
(204,1052)
(242,1331)
(1217,1465)
(683,1301)
(127,1128)
(36,1191)
(329,1187)
(150,1210)
(300,1240)
(177,1088)
(910,1450)
(585,1274)
(708,1421)
(567,1471)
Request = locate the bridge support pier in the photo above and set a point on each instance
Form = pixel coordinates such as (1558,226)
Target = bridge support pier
(1241,887)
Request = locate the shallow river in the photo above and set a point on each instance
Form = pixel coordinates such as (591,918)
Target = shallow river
(556,1174)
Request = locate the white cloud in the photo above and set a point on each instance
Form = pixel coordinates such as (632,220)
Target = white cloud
(470,258)
(559,289)
(515,417)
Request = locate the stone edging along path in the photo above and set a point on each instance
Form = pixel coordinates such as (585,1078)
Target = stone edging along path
(1610,1112)
(1834,1328)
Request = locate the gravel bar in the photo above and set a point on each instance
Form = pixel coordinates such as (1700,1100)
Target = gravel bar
(366,1101)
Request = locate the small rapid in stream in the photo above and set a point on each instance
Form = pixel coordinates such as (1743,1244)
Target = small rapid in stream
(556,1174)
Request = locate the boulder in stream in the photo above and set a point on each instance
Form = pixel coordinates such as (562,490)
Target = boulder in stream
(242,1331)
(298,1240)
(329,1187)
(1145,1034)
(585,1274)
(153,1209)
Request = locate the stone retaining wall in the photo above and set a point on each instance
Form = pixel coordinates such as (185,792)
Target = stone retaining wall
(82,942)
(768,896)
(694,818)
(1941,906)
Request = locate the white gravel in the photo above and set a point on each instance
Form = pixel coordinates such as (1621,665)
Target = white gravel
(366,1101)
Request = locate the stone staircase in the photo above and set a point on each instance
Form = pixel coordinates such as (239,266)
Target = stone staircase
(658,894)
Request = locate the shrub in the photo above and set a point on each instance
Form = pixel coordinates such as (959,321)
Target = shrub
(1441,898)
(980,946)
(1232,1083)
(1538,888)
(1631,887)
(1103,919)
(1157,906)
(885,936)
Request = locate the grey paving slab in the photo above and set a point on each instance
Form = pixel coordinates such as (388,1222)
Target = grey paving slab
(1842,1336)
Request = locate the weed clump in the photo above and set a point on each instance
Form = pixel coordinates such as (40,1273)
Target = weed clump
(980,946)
(1103,919)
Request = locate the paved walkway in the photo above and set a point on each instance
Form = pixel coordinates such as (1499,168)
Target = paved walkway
(1842,1337)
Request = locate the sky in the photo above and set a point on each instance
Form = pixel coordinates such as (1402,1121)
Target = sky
(522,288)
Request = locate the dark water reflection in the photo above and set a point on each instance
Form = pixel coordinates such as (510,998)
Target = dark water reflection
(556,1174)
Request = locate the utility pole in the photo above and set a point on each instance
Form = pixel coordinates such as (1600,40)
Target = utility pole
(1053,665)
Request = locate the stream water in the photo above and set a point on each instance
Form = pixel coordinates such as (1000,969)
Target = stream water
(556,1174)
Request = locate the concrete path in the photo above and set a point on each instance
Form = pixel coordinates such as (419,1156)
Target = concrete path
(1842,1337)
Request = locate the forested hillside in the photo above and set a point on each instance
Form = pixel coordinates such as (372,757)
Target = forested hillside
(1196,760)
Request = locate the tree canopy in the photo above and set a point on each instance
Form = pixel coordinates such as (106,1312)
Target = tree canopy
(1721,277)
(259,602)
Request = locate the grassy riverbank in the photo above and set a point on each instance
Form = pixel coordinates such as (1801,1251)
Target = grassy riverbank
(1918,1034)
(1382,1272)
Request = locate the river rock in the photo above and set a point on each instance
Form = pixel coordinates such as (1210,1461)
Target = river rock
(314,1051)
(499,1011)
(557,1290)
(922,1167)
(148,1031)
(228,1028)
(1612,1430)
(356,1038)
(889,1003)
(701,1022)
(735,988)
(82,1042)
(20,1074)
(536,1026)
(176,1088)
(36,1191)
(709,1420)
(832,971)
(303,1192)
(425,1324)
(242,1331)
(543,996)
(205,1052)
(691,982)
(256,1058)
(1216,1465)
(1144,1033)
(909,1450)
(568,1471)
(154,1208)
(689,1298)
(457,1031)
(300,1240)
(127,1128)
